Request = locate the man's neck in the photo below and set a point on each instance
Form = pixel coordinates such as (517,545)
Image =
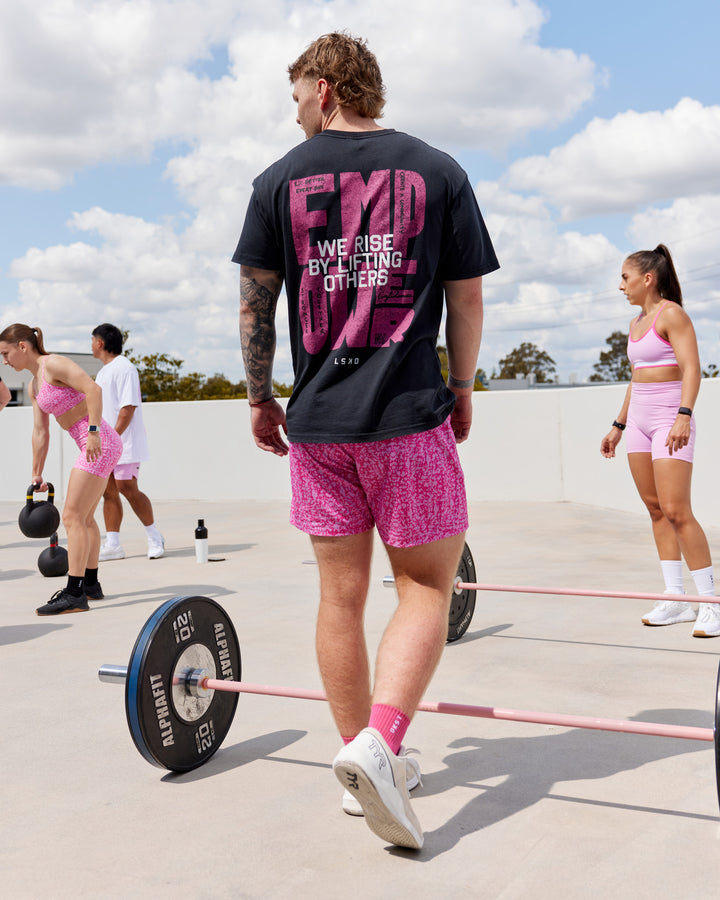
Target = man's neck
(342,119)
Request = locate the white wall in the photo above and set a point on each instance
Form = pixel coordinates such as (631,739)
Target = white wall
(535,445)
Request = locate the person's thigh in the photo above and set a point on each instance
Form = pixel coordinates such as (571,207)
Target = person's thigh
(673,478)
(83,493)
(643,474)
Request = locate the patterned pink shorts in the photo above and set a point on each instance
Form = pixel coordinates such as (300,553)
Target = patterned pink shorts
(111,444)
(411,487)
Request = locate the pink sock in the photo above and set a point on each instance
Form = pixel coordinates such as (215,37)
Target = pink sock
(347,740)
(392,724)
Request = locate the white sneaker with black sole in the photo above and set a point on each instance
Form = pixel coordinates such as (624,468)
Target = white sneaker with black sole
(378,779)
(350,803)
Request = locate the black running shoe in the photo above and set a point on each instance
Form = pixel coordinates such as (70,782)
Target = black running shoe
(93,591)
(62,602)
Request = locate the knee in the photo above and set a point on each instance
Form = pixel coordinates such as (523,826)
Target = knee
(71,518)
(656,511)
(128,489)
(677,514)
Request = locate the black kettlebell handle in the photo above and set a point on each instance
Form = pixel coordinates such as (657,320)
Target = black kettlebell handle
(36,487)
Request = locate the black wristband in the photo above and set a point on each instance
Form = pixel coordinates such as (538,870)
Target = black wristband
(684,411)
(617,424)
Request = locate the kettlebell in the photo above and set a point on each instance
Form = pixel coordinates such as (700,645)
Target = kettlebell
(39,518)
(53,560)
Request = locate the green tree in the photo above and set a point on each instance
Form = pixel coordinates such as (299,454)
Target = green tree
(161,380)
(218,387)
(527,359)
(614,364)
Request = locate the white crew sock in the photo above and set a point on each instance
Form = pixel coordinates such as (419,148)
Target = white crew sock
(152,533)
(672,570)
(704,581)
(112,539)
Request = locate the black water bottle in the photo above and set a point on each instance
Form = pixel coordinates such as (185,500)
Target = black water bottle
(201,542)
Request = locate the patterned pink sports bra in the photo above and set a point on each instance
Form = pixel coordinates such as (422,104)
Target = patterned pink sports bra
(651,351)
(56,399)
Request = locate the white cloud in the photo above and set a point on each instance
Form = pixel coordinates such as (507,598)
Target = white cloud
(85,82)
(627,162)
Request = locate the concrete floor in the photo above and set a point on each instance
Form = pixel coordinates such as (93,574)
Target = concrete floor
(510,810)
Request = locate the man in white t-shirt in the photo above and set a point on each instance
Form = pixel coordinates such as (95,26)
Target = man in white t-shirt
(120,385)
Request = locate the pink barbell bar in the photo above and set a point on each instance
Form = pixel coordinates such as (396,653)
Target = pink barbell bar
(581,592)
(686,732)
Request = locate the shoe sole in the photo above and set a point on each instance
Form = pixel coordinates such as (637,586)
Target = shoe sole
(676,620)
(379,818)
(110,558)
(351,807)
(65,612)
(704,634)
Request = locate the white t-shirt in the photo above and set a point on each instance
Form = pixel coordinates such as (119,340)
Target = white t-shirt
(120,385)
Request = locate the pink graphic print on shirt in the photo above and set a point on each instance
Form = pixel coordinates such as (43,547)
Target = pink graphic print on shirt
(366,262)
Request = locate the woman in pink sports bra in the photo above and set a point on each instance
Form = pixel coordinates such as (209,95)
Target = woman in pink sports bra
(660,437)
(62,389)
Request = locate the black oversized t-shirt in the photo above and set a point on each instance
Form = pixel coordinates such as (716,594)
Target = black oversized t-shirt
(365,227)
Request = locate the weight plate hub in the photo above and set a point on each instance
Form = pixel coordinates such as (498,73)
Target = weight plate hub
(462,603)
(171,727)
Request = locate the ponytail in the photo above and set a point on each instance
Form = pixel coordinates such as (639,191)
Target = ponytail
(659,262)
(13,334)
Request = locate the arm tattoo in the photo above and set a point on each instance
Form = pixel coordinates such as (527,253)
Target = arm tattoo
(257,333)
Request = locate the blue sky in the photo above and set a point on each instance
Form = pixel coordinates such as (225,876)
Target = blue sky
(132,131)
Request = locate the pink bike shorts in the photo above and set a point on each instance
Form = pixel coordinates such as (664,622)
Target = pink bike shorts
(411,487)
(652,412)
(110,442)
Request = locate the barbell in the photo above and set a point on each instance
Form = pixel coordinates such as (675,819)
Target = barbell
(182,687)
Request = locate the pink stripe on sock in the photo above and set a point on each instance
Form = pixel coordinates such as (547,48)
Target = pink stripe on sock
(347,740)
(392,724)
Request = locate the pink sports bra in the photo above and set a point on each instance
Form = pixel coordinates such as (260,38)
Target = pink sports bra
(651,351)
(56,399)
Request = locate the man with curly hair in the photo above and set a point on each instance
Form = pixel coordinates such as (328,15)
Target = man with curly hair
(372,232)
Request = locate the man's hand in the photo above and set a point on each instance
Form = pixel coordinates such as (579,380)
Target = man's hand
(461,418)
(265,424)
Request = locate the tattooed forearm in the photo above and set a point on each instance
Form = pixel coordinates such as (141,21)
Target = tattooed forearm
(259,292)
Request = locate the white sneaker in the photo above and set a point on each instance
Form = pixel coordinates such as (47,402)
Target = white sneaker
(156,549)
(114,551)
(708,621)
(669,612)
(350,803)
(378,778)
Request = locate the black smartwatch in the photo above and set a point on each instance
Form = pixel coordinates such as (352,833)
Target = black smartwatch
(93,429)
(684,411)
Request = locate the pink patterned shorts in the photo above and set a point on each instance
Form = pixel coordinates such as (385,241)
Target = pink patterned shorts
(411,487)
(111,444)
